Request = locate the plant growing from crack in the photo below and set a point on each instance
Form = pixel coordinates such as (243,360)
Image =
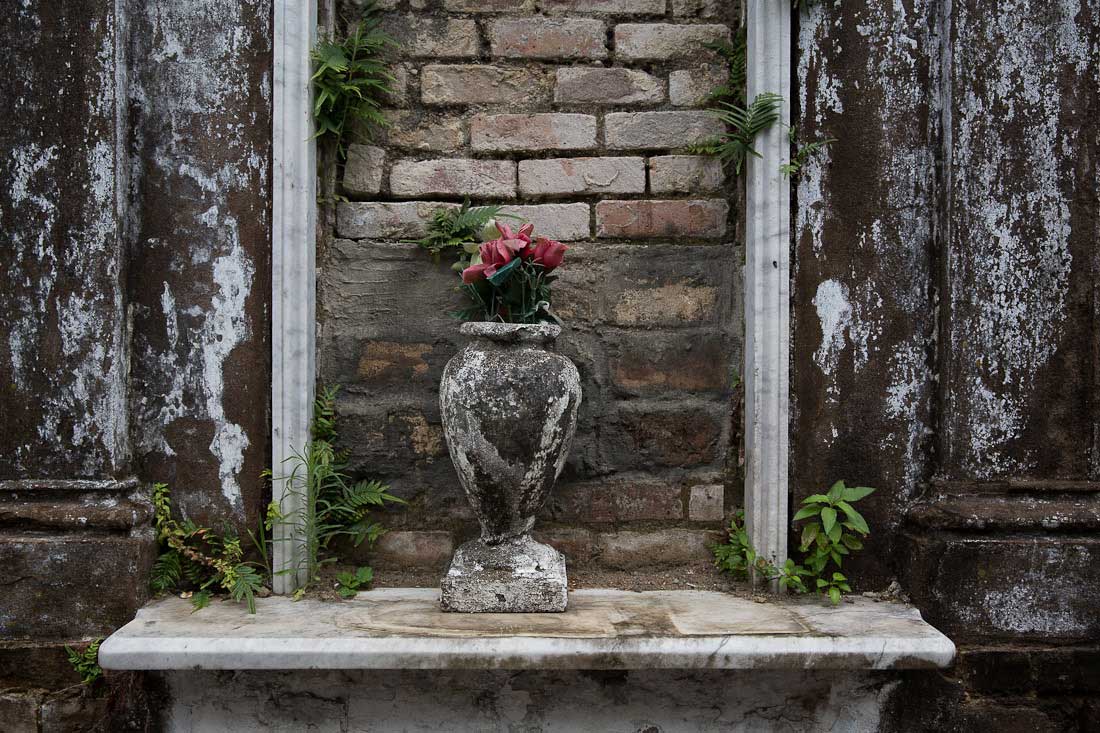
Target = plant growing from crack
(86,662)
(331,503)
(833,529)
(350,80)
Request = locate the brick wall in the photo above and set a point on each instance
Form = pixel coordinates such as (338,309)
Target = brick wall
(575,115)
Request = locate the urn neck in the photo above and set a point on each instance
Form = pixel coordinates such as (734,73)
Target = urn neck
(512,333)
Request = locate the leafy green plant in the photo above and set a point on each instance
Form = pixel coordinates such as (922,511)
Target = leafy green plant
(350,80)
(833,529)
(86,662)
(744,123)
(803,152)
(833,526)
(458,232)
(736,56)
(332,503)
(197,557)
(348,583)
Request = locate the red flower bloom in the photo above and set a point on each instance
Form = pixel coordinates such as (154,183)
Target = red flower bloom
(517,241)
(494,255)
(548,253)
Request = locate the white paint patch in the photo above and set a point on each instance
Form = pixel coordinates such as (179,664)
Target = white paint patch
(834,312)
(226,326)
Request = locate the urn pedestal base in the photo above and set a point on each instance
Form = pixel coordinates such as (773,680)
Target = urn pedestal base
(515,576)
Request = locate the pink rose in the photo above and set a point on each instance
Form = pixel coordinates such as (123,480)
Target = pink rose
(494,255)
(548,253)
(518,241)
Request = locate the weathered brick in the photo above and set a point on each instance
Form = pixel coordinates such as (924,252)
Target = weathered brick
(563,222)
(19,712)
(692,87)
(707,503)
(700,219)
(363,172)
(627,550)
(659,130)
(392,362)
(436,38)
(616,500)
(663,41)
(413,131)
(384,220)
(508,132)
(454,177)
(413,549)
(685,174)
(654,363)
(581,175)
(698,8)
(390,439)
(548,38)
(603,86)
(489,6)
(656,435)
(576,543)
(482,84)
(604,7)
(671,304)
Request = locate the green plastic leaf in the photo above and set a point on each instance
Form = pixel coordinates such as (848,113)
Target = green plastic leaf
(504,274)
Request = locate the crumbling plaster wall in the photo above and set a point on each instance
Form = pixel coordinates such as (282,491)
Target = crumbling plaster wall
(946,335)
(134,282)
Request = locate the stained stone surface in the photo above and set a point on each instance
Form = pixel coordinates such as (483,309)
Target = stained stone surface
(509,407)
(515,576)
(404,628)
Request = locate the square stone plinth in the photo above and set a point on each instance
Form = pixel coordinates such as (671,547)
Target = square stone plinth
(514,576)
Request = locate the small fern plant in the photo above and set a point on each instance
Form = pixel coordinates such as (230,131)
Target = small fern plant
(199,559)
(86,662)
(332,504)
(744,124)
(350,80)
(458,232)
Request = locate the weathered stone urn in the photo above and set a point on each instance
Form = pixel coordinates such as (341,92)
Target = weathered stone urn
(509,413)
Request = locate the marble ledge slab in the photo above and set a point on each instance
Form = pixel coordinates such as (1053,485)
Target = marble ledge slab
(403,628)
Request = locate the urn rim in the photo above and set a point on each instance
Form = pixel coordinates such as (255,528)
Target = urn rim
(510,333)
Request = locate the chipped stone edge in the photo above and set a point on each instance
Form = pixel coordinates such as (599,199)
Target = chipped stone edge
(767,289)
(293,263)
(128,649)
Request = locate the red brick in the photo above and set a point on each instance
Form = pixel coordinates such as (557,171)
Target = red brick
(548,38)
(495,179)
(627,550)
(699,219)
(660,130)
(685,174)
(413,549)
(707,503)
(664,41)
(558,176)
(648,363)
(604,86)
(483,84)
(620,500)
(604,7)
(510,132)
(576,543)
(434,37)
(656,435)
